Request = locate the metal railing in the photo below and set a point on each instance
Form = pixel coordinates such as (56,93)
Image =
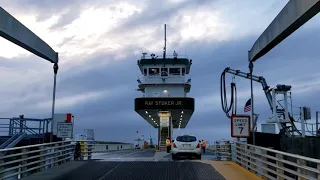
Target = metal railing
(167,56)
(22,161)
(222,150)
(169,79)
(33,127)
(273,164)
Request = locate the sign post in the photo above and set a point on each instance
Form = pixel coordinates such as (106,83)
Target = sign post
(240,126)
(64,130)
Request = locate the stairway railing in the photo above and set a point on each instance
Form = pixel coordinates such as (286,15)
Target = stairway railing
(11,142)
(7,142)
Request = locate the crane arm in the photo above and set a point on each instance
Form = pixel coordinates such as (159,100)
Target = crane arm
(259,79)
(265,88)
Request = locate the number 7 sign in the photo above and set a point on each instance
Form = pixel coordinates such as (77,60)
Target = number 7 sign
(240,126)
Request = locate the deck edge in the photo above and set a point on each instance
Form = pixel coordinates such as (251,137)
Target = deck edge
(249,173)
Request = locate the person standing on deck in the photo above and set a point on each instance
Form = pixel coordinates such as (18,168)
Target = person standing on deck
(204,144)
(168,144)
(77,151)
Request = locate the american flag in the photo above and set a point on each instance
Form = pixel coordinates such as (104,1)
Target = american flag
(247,107)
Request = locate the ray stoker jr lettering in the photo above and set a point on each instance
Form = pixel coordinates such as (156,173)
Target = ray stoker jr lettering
(163,103)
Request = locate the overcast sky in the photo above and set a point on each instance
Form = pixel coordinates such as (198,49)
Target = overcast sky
(99,43)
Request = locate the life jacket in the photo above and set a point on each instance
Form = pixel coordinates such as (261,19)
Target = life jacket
(168,142)
(204,143)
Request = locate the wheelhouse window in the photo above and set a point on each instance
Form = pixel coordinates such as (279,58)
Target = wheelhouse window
(174,71)
(145,71)
(153,71)
(164,71)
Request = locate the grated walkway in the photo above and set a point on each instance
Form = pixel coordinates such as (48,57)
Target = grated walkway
(140,165)
(143,170)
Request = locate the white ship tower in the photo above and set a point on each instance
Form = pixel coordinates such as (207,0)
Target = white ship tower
(165,82)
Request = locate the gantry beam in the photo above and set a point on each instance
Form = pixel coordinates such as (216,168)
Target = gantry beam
(291,17)
(14,31)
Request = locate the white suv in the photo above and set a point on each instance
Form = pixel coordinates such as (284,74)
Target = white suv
(186,145)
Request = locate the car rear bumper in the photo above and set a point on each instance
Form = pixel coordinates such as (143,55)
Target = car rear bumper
(176,151)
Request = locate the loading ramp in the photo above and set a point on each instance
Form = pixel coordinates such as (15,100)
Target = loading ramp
(144,164)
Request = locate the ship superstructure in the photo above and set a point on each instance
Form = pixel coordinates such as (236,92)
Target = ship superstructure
(164,83)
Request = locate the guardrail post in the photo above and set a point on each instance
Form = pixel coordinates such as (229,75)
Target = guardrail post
(246,151)
(56,155)
(301,171)
(87,150)
(237,154)
(234,152)
(264,159)
(90,147)
(228,151)
(218,154)
(318,174)
(251,152)
(280,164)
(1,166)
(65,152)
(24,162)
(50,158)
(72,152)
(42,158)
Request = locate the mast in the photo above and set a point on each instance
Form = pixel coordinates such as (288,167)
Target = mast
(165,41)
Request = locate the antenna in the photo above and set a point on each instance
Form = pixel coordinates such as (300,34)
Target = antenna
(185,48)
(165,41)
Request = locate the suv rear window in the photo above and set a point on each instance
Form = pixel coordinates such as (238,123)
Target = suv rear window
(186,139)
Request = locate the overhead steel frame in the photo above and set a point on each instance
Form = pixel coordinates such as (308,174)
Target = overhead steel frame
(291,17)
(14,31)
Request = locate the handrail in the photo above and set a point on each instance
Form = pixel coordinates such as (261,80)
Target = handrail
(167,56)
(151,79)
(26,128)
(8,141)
(31,146)
(221,150)
(274,164)
(284,153)
(23,161)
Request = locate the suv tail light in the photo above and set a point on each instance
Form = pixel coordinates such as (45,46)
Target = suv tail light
(174,145)
(198,146)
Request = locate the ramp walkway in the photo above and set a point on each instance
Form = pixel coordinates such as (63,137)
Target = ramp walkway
(54,161)
(144,164)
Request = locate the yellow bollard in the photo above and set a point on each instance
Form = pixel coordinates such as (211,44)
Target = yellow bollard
(82,150)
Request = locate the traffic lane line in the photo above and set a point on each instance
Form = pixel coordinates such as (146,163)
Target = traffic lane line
(105,175)
(110,155)
(134,152)
(139,154)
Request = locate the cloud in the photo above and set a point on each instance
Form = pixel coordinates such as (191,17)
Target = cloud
(100,42)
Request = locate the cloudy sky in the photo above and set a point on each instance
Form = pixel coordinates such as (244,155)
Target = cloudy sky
(99,42)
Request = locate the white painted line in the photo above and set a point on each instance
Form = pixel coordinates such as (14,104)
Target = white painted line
(110,171)
(125,155)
